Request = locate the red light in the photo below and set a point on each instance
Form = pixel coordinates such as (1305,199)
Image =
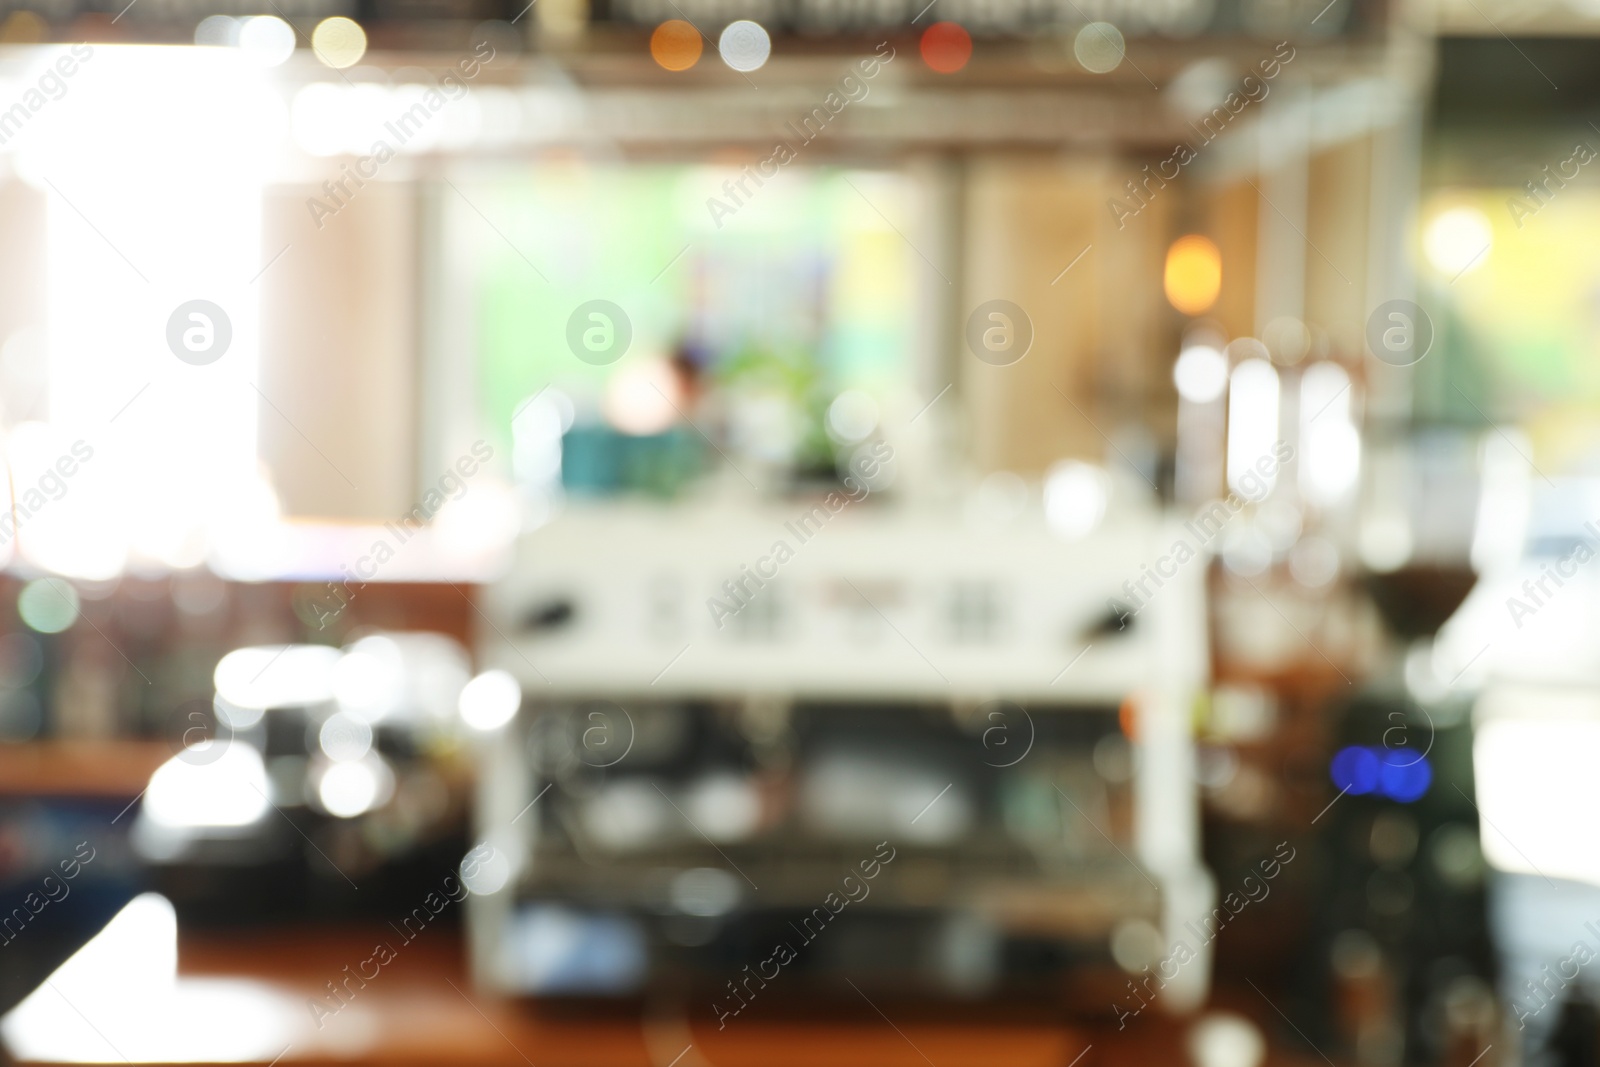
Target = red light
(946,47)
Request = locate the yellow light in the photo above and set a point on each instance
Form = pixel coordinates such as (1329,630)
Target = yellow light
(1193,276)
(339,42)
(675,45)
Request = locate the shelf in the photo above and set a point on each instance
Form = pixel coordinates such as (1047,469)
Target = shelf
(79,768)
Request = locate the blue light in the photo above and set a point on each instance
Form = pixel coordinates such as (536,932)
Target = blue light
(1404,775)
(1355,770)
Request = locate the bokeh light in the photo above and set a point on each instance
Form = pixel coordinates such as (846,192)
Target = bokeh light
(852,416)
(946,47)
(490,700)
(1099,47)
(1458,241)
(339,42)
(232,791)
(485,877)
(1075,497)
(48,605)
(1193,276)
(744,45)
(353,788)
(675,45)
(217,31)
(266,39)
(1355,770)
(1399,774)
(1200,374)
(1221,1039)
(1404,775)
(643,399)
(345,737)
(276,676)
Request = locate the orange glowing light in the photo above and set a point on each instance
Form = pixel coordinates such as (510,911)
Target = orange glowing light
(675,45)
(946,47)
(1194,274)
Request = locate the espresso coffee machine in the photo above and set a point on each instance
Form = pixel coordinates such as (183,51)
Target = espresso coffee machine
(764,755)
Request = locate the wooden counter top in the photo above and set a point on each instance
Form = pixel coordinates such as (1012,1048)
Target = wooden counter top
(247,998)
(79,768)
